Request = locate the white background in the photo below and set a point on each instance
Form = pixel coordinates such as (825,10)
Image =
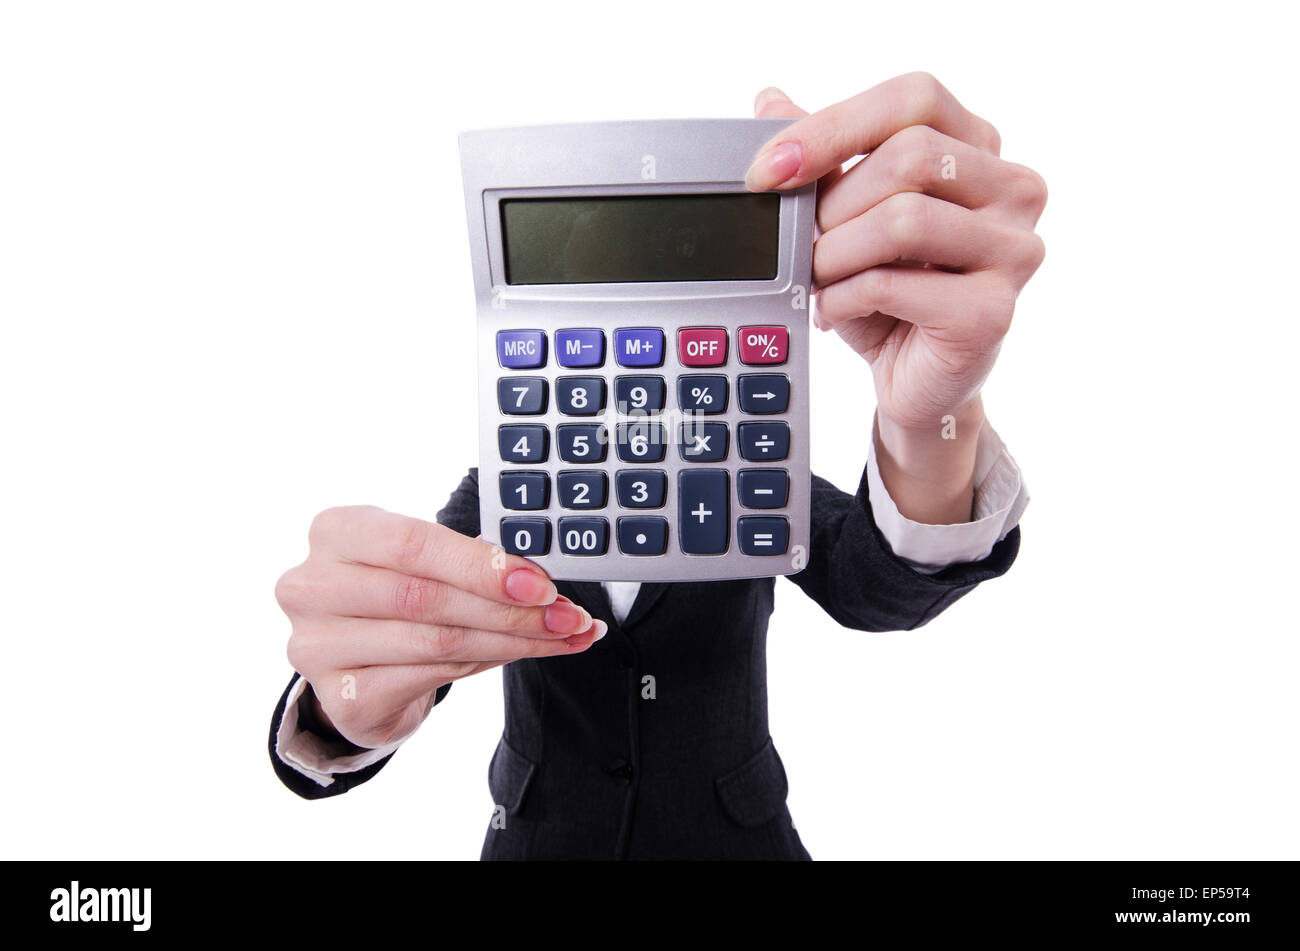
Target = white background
(235,290)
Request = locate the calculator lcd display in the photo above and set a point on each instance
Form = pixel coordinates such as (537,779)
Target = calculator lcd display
(641,239)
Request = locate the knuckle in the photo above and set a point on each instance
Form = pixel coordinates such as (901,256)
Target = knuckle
(906,218)
(919,155)
(292,589)
(409,544)
(302,652)
(325,525)
(995,311)
(439,641)
(924,92)
(1030,190)
(416,598)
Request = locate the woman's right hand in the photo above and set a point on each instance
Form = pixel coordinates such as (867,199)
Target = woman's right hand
(386,609)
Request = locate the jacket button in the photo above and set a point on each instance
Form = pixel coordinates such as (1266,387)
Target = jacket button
(620,770)
(625,657)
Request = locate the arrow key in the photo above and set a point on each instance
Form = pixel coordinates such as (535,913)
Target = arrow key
(764,393)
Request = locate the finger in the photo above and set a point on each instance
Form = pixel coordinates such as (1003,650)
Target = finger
(411,546)
(772,103)
(827,139)
(923,160)
(363,642)
(394,686)
(973,306)
(364,591)
(910,227)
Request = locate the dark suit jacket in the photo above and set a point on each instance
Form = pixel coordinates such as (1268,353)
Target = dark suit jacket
(587,769)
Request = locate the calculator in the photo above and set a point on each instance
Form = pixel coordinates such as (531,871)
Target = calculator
(642,349)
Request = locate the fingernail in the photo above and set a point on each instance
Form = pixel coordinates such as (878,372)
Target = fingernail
(776,165)
(770,94)
(601,630)
(563,618)
(528,587)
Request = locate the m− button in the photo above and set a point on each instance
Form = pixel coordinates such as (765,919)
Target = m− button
(580,348)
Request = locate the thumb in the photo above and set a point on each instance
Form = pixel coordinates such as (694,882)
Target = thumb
(772,103)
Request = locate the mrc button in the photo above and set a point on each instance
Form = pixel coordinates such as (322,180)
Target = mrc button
(639,346)
(763,345)
(702,346)
(521,349)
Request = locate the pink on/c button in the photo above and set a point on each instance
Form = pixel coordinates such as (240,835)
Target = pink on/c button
(702,346)
(759,345)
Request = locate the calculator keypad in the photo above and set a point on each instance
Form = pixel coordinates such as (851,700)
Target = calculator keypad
(634,409)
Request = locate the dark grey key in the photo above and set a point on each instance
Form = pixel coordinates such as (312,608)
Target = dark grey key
(642,535)
(582,489)
(521,395)
(522,443)
(702,394)
(525,490)
(580,442)
(639,394)
(763,534)
(526,536)
(580,395)
(702,442)
(763,442)
(764,392)
(702,518)
(763,488)
(641,488)
(640,442)
(583,536)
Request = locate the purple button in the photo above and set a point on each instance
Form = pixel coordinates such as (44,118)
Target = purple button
(639,346)
(521,349)
(580,348)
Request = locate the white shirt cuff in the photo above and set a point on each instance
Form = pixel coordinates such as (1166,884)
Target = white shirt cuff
(1000,500)
(315,758)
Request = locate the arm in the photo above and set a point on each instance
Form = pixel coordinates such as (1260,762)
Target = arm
(387,611)
(924,246)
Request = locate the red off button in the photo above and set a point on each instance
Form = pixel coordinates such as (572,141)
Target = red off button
(760,345)
(702,346)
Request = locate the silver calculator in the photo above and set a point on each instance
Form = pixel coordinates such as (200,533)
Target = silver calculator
(642,349)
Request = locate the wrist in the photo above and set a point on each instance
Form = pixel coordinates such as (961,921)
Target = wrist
(929,470)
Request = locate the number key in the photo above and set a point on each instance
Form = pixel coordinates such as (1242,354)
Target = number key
(580,443)
(521,395)
(639,394)
(584,536)
(522,443)
(526,536)
(580,395)
(641,488)
(525,490)
(582,489)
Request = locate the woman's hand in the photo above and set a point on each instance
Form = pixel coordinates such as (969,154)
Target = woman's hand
(386,609)
(924,247)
